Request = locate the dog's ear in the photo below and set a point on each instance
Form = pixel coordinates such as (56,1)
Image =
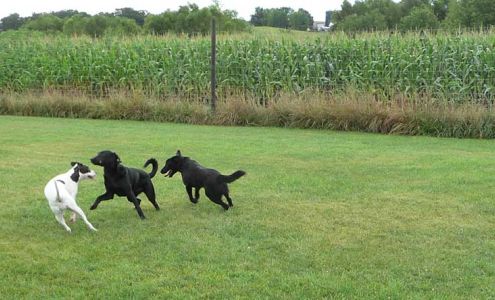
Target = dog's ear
(75,175)
(73,163)
(117,158)
(178,153)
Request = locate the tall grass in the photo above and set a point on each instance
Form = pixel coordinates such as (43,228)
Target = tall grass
(350,111)
(452,68)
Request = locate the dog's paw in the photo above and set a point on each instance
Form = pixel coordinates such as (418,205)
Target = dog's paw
(93,207)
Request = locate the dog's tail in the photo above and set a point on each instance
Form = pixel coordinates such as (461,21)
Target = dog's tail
(155,166)
(232,177)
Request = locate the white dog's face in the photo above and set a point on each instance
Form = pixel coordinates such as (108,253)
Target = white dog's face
(81,171)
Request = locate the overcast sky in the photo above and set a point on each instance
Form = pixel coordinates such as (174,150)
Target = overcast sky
(245,8)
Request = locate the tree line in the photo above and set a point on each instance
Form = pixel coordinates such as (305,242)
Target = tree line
(188,19)
(283,17)
(365,15)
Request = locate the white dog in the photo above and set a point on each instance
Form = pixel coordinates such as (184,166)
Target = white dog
(61,193)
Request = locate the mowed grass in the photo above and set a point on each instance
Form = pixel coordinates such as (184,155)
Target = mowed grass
(320,214)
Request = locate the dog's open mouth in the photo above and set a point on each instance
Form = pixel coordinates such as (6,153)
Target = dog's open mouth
(169,173)
(91,176)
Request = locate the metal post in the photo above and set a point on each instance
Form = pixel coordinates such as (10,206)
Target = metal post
(213,65)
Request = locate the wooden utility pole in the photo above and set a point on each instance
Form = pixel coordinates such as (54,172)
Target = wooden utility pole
(213,65)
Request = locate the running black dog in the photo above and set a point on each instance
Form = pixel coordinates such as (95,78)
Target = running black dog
(196,176)
(125,181)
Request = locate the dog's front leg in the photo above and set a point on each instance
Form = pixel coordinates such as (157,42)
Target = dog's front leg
(106,196)
(132,198)
(196,194)
(189,193)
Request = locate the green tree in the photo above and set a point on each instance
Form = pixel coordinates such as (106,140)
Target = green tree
(260,17)
(233,25)
(96,25)
(12,21)
(390,10)
(478,12)
(455,16)
(190,19)
(408,5)
(65,14)
(122,27)
(346,10)
(75,25)
(420,18)
(228,20)
(279,17)
(198,21)
(361,13)
(300,20)
(161,24)
(154,24)
(440,8)
(372,20)
(126,12)
(46,23)
(181,22)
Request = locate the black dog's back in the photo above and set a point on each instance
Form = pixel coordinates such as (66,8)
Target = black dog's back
(138,178)
(198,176)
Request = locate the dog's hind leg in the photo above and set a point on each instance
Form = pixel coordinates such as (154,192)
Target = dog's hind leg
(189,193)
(149,191)
(217,198)
(229,199)
(59,215)
(132,198)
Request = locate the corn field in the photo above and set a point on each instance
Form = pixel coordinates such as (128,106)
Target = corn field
(454,68)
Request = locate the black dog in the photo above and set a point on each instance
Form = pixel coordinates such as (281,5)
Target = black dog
(125,181)
(194,175)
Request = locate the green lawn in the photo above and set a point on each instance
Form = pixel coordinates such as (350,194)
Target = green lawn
(320,214)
